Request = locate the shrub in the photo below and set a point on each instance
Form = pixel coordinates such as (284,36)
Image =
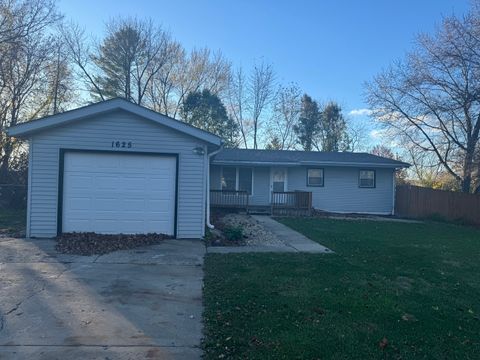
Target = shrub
(233,233)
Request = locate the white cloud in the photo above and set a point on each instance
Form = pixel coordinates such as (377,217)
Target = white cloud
(376,134)
(360,112)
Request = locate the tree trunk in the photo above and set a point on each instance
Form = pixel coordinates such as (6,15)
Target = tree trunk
(468,168)
(5,165)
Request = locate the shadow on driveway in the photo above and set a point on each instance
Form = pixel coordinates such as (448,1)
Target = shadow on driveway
(133,304)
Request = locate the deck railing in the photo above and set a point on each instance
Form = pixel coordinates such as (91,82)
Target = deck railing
(229,199)
(291,202)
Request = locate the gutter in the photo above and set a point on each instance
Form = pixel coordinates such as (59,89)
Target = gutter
(309,163)
(209,225)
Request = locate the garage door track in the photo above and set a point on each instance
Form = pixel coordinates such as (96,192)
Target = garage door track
(135,304)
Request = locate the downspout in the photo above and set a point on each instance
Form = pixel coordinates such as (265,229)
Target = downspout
(209,225)
(394,190)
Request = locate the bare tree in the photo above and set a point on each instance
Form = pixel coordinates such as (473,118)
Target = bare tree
(432,99)
(24,62)
(22,18)
(261,93)
(286,112)
(357,135)
(249,96)
(163,85)
(59,88)
(184,74)
(237,99)
(80,53)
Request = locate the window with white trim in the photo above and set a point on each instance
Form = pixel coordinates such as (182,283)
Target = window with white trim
(366,179)
(237,179)
(315,177)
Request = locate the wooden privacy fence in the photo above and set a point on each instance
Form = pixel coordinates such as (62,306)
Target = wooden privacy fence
(291,203)
(418,202)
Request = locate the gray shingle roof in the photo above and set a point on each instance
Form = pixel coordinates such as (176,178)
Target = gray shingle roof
(290,157)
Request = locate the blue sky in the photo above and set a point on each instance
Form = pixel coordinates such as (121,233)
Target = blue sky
(329,48)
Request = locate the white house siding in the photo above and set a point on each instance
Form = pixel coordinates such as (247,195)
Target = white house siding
(97,134)
(341,193)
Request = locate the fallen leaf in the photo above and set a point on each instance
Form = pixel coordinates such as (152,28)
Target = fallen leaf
(383,343)
(409,317)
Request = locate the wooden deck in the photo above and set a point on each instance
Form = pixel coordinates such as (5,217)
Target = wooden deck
(229,199)
(291,203)
(287,203)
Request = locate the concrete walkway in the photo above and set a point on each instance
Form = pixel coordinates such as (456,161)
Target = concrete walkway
(292,241)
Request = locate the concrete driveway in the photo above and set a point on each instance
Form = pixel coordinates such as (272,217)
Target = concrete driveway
(137,304)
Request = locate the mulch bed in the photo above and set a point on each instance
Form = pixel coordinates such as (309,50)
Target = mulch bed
(98,244)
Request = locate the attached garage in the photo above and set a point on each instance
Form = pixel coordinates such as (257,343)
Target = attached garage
(110,193)
(116,167)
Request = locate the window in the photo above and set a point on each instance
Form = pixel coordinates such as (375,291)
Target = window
(315,177)
(229,178)
(366,179)
(245,180)
(237,179)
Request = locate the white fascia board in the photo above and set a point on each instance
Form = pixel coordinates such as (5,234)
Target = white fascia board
(306,163)
(28,128)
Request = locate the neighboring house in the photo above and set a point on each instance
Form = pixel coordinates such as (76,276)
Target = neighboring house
(116,167)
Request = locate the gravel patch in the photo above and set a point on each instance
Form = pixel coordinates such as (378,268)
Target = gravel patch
(254,233)
(98,244)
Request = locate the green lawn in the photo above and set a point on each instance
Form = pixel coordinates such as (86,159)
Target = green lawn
(12,221)
(391,291)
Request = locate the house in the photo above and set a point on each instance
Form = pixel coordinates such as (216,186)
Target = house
(116,167)
(342,182)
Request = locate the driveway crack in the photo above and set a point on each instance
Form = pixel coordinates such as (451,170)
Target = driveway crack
(35,293)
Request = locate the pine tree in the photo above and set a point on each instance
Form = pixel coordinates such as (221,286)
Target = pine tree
(116,59)
(308,126)
(333,129)
(206,111)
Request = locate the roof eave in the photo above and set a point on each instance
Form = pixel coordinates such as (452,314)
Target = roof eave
(311,163)
(26,129)
(356,164)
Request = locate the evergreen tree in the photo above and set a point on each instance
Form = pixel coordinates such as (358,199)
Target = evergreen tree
(308,126)
(333,129)
(128,58)
(206,111)
(117,56)
(274,144)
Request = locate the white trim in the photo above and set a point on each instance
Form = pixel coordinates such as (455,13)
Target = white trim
(253,183)
(384,213)
(360,179)
(67,117)
(323,177)
(285,182)
(306,163)
(394,189)
(205,193)
(207,188)
(29,186)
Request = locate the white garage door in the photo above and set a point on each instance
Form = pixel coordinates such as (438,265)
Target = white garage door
(118,193)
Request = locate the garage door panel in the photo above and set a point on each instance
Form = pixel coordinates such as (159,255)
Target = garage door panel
(80,203)
(118,193)
(78,181)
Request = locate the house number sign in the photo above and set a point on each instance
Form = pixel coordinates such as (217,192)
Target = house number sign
(121,144)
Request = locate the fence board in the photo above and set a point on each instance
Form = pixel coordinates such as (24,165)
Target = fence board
(417,202)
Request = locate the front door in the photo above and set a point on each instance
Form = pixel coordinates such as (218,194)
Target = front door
(278,180)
